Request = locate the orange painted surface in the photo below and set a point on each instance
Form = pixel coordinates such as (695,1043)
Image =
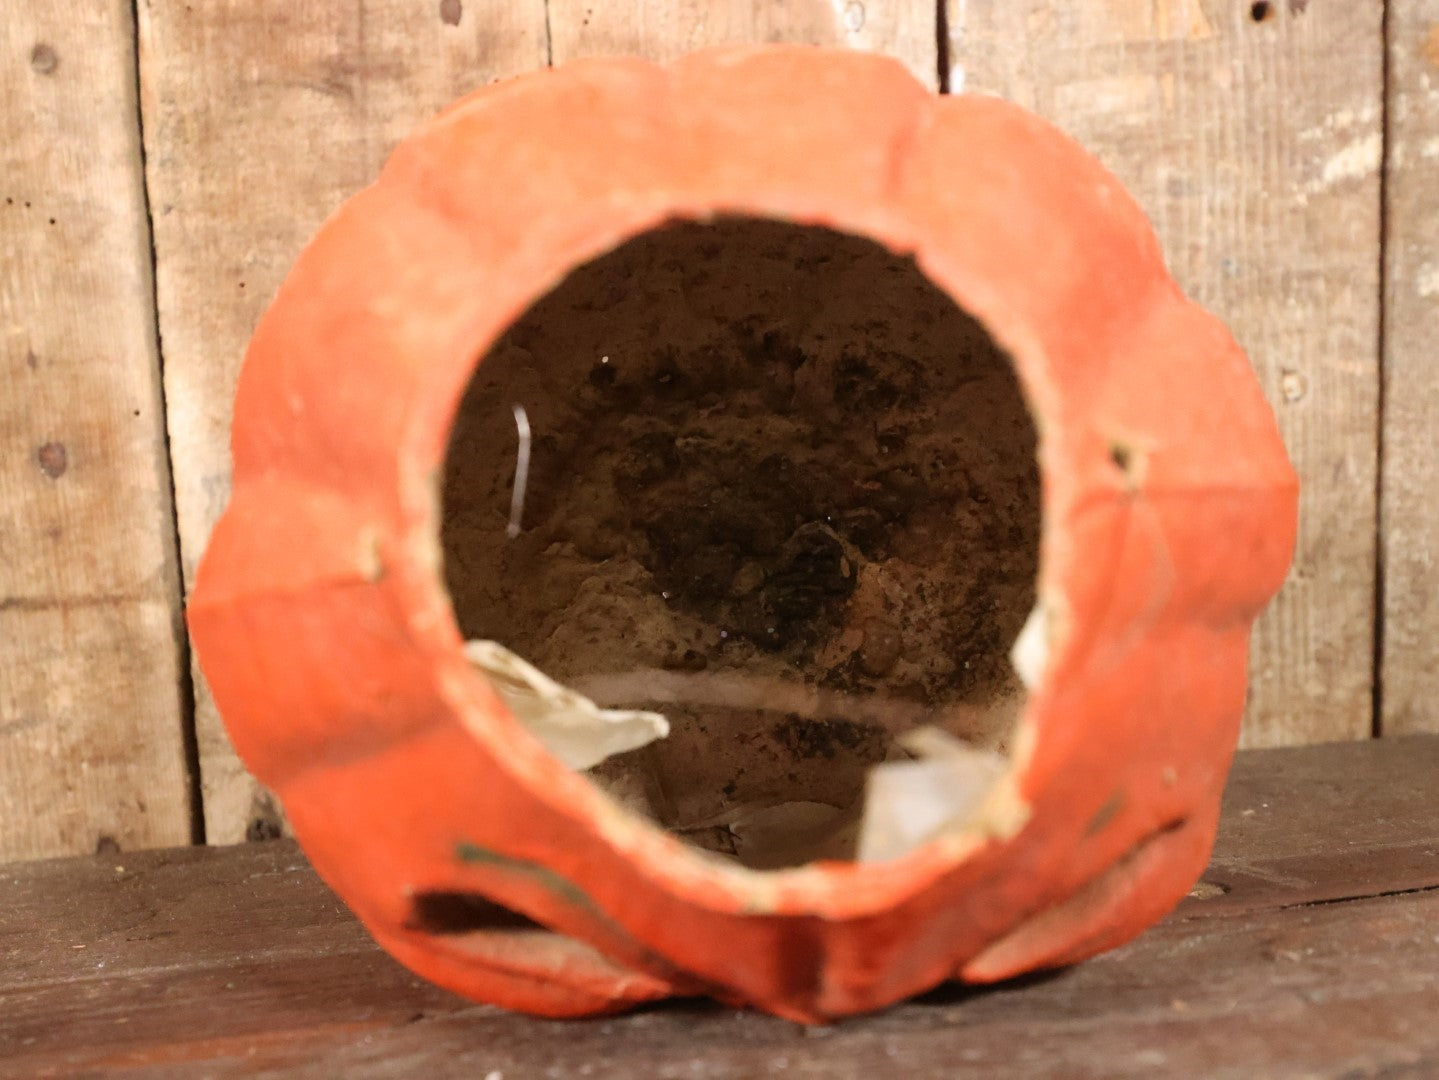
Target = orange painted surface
(322,623)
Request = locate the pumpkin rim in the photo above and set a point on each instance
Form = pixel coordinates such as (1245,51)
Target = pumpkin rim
(832,889)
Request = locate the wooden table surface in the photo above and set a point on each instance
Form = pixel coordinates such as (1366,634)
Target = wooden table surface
(1311,948)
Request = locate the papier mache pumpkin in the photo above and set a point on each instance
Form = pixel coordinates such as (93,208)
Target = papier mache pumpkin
(861,602)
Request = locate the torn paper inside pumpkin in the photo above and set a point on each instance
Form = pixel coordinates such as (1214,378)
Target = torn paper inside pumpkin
(1030,652)
(568,724)
(908,803)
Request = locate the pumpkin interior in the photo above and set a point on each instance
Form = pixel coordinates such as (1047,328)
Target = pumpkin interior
(781,489)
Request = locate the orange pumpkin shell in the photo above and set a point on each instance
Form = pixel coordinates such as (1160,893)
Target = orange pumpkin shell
(325,632)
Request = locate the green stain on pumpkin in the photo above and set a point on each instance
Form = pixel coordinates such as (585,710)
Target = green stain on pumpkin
(562,888)
(567,891)
(1105,814)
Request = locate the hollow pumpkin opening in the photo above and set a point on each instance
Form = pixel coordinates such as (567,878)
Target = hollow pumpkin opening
(780,489)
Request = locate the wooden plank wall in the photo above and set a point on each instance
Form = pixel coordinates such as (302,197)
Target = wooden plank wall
(904,29)
(91,718)
(1254,133)
(1410,496)
(261,118)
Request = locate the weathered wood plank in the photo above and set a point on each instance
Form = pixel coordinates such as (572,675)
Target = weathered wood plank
(663,29)
(91,725)
(238,962)
(1410,497)
(1252,135)
(260,118)
(1326,823)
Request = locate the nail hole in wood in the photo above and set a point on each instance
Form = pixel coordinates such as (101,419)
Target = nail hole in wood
(53,459)
(44,59)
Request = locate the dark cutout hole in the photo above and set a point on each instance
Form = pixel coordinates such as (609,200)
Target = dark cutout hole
(1122,457)
(765,456)
(1261,10)
(262,829)
(266,822)
(446,913)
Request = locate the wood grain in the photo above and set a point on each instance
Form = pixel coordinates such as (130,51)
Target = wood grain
(91,727)
(1321,961)
(664,29)
(1410,496)
(1326,823)
(1254,145)
(260,119)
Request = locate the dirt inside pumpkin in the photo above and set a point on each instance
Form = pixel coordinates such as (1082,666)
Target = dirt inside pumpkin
(782,490)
